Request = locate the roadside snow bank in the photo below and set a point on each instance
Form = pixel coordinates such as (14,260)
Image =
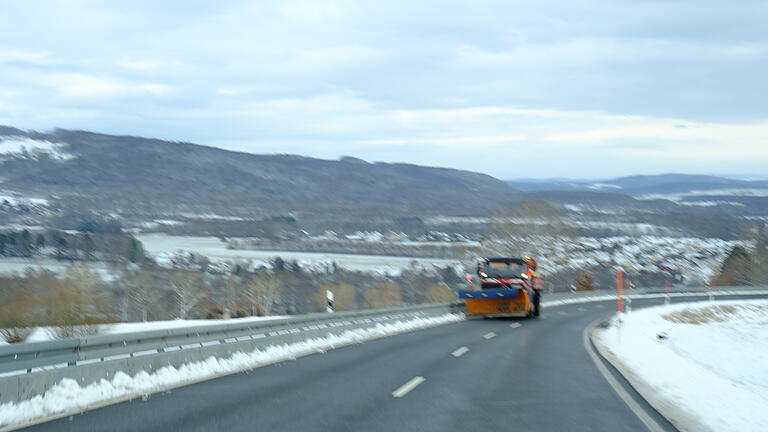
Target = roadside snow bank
(68,397)
(703,365)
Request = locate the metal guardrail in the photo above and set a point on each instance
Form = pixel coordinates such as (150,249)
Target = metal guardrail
(27,356)
(29,369)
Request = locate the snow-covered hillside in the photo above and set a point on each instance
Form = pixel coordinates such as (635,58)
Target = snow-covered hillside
(703,362)
(28,148)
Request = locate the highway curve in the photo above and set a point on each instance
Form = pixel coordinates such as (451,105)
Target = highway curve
(478,375)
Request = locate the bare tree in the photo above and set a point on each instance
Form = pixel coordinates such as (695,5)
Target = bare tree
(229,290)
(383,295)
(188,290)
(140,293)
(439,293)
(262,293)
(17,318)
(585,282)
(77,305)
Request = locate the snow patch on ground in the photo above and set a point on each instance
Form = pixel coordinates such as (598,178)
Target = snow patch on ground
(164,247)
(710,203)
(710,364)
(19,200)
(69,396)
(762,192)
(603,186)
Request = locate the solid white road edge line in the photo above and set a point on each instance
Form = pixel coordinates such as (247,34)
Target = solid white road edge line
(515,325)
(489,335)
(647,420)
(407,387)
(460,352)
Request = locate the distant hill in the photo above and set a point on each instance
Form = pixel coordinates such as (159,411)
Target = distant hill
(643,184)
(681,183)
(134,175)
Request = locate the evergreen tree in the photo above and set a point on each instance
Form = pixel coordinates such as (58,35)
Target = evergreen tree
(25,243)
(736,268)
(88,246)
(759,270)
(40,241)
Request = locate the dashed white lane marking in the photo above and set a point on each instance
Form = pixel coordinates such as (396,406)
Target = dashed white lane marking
(515,325)
(489,335)
(563,313)
(460,352)
(407,387)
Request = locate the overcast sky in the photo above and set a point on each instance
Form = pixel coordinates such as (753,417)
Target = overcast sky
(586,89)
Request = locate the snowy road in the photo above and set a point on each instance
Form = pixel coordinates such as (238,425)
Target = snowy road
(536,376)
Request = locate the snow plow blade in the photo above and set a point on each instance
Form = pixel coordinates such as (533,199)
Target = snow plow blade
(509,302)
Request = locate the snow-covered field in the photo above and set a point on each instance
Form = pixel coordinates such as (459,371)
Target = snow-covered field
(69,396)
(162,245)
(20,265)
(708,372)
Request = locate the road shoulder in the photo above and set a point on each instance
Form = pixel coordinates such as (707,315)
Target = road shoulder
(681,419)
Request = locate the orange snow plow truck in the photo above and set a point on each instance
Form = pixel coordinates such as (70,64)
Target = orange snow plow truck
(508,287)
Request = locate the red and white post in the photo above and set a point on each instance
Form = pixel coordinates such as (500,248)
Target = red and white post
(619,290)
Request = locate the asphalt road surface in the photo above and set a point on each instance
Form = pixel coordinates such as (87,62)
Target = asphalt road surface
(478,375)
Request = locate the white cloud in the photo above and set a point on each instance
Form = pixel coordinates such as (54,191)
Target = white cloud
(334,57)
(156,89)
(82,85)
(79,85)
(588,51)
(594,85)
(34,57)
(458,142)
(696,140)
(317,12)
(145,65)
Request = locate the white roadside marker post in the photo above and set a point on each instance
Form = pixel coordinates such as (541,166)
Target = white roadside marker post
(329,304)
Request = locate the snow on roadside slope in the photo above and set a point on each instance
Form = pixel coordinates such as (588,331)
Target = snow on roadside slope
(68,396)
(710,371)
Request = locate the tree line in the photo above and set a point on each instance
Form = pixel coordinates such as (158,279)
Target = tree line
(81,300)
(64,245)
